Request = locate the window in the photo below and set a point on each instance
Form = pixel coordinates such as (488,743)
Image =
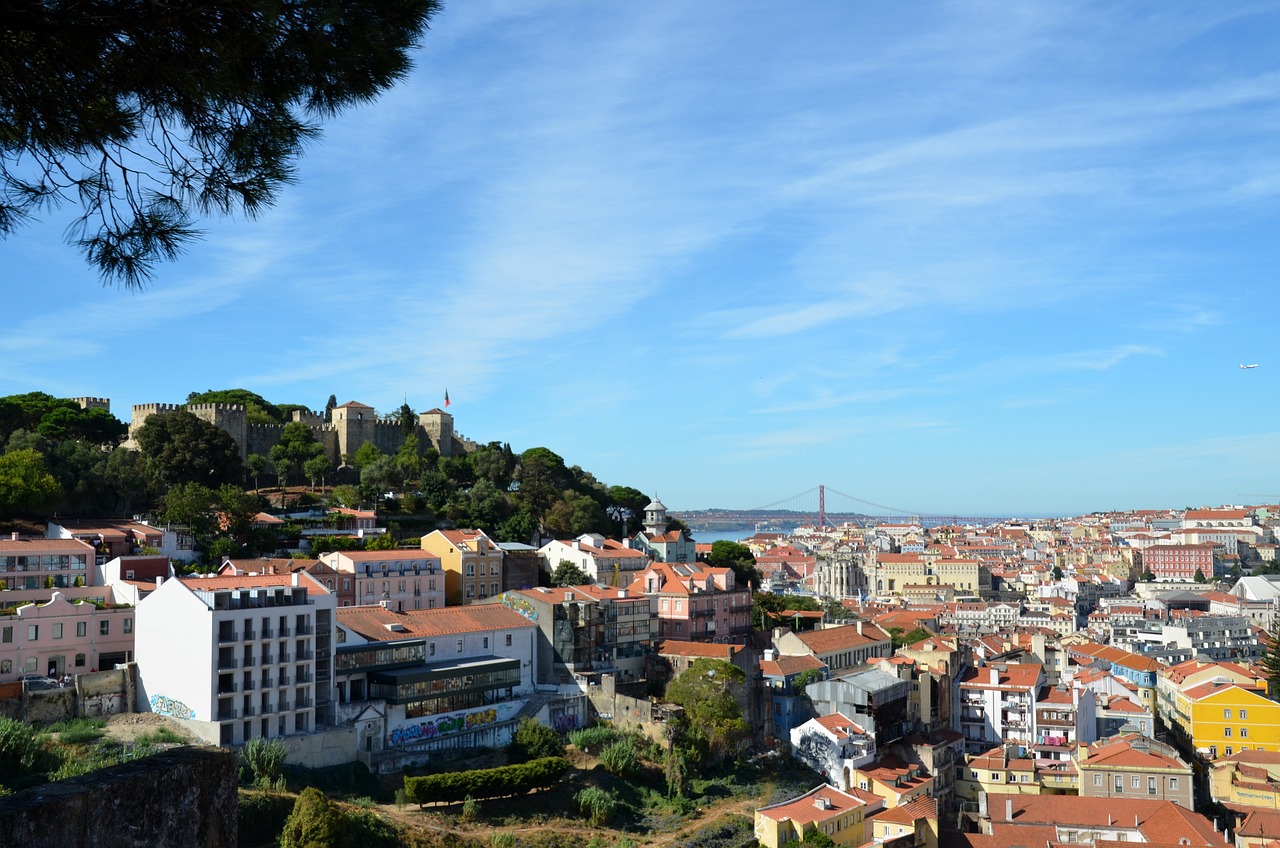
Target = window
(508,640)
(1097,781)
(1136,782)
(1151,786)
(486,643)
(128,625)
(459,646)
(1244,715)
(57,630)
(29,665)
(1226,713)
(1229,751)
(471,569)
(80,658)
(1173,783)
(431,649)
(1024,778)
(33,632)
(1119,783)
(6,635)
(1213,752)
(6,666)
(1226,731)
(104,627)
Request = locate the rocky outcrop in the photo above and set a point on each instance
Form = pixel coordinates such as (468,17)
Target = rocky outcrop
(183,798)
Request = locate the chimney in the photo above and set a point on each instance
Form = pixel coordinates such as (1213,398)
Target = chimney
(995,676)
(14,536)
(622,593)
(568,596)
(770,655)
(1008,809)
(159,580)
(858,624)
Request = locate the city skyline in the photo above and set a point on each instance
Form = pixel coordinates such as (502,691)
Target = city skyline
(960,259)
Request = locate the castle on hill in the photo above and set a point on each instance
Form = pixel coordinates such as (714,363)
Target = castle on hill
(352,424)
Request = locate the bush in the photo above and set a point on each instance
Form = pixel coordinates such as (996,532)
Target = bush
(261,816)
(596,804)
(533,741)
(315,821)
(78,731)
(369,829)
(265,759)
(485,783)
(19,749)
(593,740)
(621,758)
(470,809)
(729,832)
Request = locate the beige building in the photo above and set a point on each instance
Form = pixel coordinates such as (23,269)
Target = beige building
(1132,766)
(472,564)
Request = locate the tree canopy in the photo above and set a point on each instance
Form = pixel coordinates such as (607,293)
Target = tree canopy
(149,114)
(181,448)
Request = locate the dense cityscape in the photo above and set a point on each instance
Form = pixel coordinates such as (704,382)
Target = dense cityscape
(1099,678)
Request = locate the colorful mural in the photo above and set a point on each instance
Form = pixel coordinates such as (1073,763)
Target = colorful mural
(432,728)
(514,602)
(172,707)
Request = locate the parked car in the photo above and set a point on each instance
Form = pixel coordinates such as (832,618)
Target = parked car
(38,682)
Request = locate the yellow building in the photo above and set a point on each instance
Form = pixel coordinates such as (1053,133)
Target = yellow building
(840,815)
(897,782)
(1247,779)
(1225,718)
(471,562)
(1005,770)
(915,824)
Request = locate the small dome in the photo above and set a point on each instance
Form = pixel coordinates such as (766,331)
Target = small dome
(655,505)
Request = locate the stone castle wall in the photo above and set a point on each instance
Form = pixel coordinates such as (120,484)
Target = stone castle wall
(435,430)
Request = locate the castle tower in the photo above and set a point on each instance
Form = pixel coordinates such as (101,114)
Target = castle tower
(655,518)
(354,422)
(438,425)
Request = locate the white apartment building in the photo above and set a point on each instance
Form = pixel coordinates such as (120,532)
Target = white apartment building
(402,580)
(998,705)
(605,561)
(236,658)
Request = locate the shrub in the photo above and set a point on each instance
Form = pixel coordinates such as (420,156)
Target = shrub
(161,736)
(265,758)
(314,821)
(593,740)
(503,839)
(596,804)
(621,758)
(261,816)
(533,741)
(367,828)
(470,809)
(485,783)
(78,731)
(729,832)
(19,748)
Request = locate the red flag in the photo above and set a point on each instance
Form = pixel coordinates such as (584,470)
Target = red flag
(446,398)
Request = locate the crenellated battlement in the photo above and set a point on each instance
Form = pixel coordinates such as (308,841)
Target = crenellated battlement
(93,403)
(344,435)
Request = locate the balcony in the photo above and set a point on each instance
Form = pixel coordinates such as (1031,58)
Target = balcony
(248,635)
(268,682)
(228,688)
(284,632)
(268,633)
(308,630)
(304,656)
(304,703)
(228,715)
(284,707)
(227,662)
(268,659)
(249,711)
(284,680)
(285,657)
(303,678)
(228,636)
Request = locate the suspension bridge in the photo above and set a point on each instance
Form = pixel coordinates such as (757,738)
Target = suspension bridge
(821,506)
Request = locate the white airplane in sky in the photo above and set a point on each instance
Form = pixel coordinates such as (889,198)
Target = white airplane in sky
(1254,365)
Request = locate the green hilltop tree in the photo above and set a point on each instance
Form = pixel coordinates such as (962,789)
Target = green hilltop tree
(148,115)
(181,448)
(26,486)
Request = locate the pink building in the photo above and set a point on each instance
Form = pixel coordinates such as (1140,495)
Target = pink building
(696,603)
(399,580)
(60,637)
(44,563)
(1179,562)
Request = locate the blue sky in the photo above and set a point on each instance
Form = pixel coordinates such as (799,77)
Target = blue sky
(974,258)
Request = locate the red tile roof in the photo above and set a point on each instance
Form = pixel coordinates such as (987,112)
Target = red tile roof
(371,621)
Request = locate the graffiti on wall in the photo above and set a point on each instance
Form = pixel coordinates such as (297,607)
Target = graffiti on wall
(172,707)
(426,729)
(102,705)
(565,723)
(514,602)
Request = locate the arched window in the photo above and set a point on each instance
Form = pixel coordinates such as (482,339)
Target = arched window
(6,666)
